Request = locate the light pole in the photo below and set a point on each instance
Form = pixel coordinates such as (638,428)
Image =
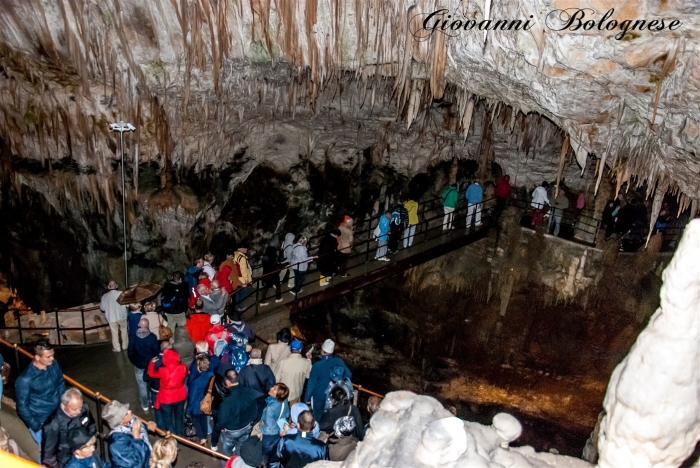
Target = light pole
(122,127)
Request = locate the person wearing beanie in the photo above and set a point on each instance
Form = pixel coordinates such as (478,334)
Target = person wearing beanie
(343,440)
(320,377)
(82,447)
(293,370)
(278,351)
(129,446)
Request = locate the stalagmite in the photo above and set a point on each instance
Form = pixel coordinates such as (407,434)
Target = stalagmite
(652,405)
(562,159)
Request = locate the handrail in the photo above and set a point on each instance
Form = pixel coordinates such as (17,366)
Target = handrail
(99,398)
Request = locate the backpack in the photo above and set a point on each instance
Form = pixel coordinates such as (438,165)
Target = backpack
(336,379)
(219,343)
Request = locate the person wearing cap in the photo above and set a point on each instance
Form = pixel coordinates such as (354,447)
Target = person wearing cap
(142,348)
(215,333)
(71,413)
(129,446)
(300,449)
(251,455)
(293,371)
(343,440)
(115,313)
(278,351)
(81,444)
(320,377)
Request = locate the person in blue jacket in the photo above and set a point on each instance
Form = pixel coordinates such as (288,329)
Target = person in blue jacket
(300,449)
(129,446)
(320,378)
(39,388)
(474,196)
(197,387)
(82,446)
(382,233)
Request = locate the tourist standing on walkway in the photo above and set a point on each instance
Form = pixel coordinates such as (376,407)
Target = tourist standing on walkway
(172,392)
(341,406)
(153,317)
(539,200)
(183,345)
(343,440)
(381,232)
(399,222)
(560,204)
(129,446)
(173,299)
(223,276)
(236,415)
(39,388)
(474,196)
(258,377)
(279,350)
(217,336)
(219,296)
(285,258)
(81,445)
(327,251)
(372,407)
(207,267)
(450,198)
(293,371)
(245,277)
(164,453)
(133,317)
(192,275)
(197,387)
(299,449)
(502,194)
(276,408)
(411,207)
(271,277)
(142,348)
(72,413)
(198,323)
(115,313)
(237,325)
(299,260)
(320,377)
(347,238)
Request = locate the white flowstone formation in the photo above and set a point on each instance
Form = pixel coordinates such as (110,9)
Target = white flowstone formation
(653,400)
(415,431)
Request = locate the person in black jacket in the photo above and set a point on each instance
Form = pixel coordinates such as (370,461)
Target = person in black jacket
(39,388)
(219,392)
(328,256)
(271,277)
(236,415)
(258,377)
(143,347)
(341,406)
(173,299)
(71,413)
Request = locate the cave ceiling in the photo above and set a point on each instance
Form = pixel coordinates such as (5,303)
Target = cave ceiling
(211,82)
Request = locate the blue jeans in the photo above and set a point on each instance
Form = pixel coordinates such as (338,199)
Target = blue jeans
(269,448)
(232,440)
(173,417)
(37,438)
(240,298)
(144,397)
(299,278)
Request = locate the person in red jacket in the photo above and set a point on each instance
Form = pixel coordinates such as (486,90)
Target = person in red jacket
(173,392)
(222,276)
(502,193)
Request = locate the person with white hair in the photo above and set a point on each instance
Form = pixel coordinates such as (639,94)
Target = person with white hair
(115,313)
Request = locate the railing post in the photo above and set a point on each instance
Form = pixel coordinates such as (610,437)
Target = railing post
(100,438)
(356,396)
(257,299)
(82,318)
(16,357)
(58,329)
(19,324)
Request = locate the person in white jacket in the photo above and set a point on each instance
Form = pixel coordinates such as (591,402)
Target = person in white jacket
(286,251)
(299,262)
(115,313)
(539,200)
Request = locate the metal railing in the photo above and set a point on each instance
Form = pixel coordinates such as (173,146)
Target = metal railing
(101,400)
(429,228)
(61,338)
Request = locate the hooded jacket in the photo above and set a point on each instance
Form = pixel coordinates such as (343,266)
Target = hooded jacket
(412,208)
(184,345)
(299,257)
(384,224)
(38,394)
(233,272)
(197,325)
(174,297)
(172,376)
(503,188)
(127,452)
(142,350)
(55,447)
(287,246)
(319,379)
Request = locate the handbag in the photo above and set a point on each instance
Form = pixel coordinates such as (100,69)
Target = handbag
(164,332)
(205,404)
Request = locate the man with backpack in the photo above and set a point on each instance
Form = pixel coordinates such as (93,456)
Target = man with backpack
(320,378)
(217,336)
(235,355)
(173,299)
(245,276)
(450,198)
